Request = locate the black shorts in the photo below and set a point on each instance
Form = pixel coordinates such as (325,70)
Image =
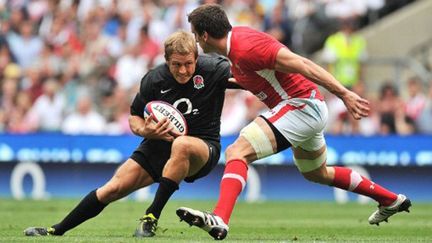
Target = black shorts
(152,155)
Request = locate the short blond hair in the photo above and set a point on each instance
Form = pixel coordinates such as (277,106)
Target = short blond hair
(180,42)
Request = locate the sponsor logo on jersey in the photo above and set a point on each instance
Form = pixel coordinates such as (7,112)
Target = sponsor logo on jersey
(198,81)
(163,91)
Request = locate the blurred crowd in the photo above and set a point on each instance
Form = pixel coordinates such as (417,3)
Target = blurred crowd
(73,66)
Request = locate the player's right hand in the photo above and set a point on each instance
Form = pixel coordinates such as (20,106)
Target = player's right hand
(157,130)
(357,106)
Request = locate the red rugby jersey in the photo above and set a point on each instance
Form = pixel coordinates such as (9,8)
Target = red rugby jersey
(253,57)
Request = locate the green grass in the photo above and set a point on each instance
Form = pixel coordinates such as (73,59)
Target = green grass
(257,222)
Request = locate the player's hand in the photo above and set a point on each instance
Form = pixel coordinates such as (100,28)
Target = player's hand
(160,130)
(356,105)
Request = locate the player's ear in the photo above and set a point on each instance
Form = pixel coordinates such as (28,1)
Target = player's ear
(205,36)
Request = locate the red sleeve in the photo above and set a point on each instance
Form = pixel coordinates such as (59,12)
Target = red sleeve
(263,55)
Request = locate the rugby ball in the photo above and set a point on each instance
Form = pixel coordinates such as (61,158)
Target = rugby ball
(160,109)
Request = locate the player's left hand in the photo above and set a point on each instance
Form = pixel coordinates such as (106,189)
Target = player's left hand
(356,105)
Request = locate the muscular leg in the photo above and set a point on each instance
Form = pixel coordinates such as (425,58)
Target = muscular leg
(128,177)
(344,178)
(188,156)
(239,155)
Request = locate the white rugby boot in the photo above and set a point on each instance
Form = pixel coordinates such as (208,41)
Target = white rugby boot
(209,222)
(402,203)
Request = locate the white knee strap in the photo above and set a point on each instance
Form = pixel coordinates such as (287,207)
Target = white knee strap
(258,139)
(307,165)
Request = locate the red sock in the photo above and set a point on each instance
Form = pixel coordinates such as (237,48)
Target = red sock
(350,180)
(232,183)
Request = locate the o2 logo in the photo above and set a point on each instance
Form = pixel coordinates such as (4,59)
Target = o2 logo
(184,105)
(35,172)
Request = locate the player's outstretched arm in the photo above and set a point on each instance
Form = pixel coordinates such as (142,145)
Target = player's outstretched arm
(289,62)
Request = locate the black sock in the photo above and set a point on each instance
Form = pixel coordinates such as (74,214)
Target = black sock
(89,207)
(166,188)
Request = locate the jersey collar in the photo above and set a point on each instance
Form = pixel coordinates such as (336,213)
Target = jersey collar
(229,42)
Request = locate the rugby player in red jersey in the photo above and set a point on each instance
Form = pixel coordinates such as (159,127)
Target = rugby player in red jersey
(287,84)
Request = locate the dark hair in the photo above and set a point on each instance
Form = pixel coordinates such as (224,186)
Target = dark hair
(388,87)
(210,18)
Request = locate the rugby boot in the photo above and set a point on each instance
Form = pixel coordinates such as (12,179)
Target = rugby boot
(209,222)
(147,226)
(39,231)
(402,203)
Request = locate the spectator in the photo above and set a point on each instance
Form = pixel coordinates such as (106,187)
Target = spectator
(393,119)
(49,64)
(6,59)
(21,119)
(32,82)
(95,57)
(49,107)
(150,49)
(345,9)
(117,43)
(278,24)
(345,51)
(176,15)
(340,122)
(9,89)
(71,47)
(12,71)
(117,110)
(25,46)
(130,68)
(85,120)
(17,16)
(416,100)
(424,119)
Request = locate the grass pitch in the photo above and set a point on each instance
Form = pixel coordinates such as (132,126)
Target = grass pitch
(257,222)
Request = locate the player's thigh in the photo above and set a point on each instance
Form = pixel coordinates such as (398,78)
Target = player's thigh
(194,149)
(299,120)
(256,141)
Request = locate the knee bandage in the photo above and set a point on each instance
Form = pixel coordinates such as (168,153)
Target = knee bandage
(307,165)
(258,139)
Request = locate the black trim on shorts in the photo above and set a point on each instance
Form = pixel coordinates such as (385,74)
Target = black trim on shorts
(141,159)
(281,141)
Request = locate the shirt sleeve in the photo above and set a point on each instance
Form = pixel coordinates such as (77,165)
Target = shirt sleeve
(223,71)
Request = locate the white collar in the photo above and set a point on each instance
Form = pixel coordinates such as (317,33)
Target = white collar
(228,45)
